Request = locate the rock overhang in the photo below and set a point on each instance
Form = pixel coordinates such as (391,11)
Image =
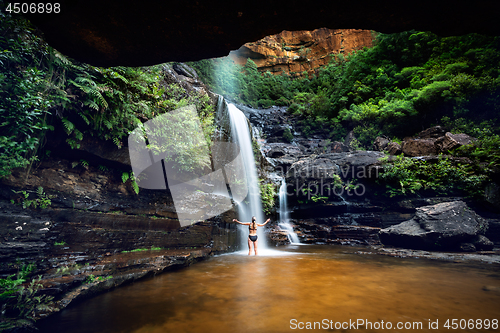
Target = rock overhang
(127,33)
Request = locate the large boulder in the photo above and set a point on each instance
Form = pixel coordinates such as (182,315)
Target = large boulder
(281,155)
(443,226)
(394,148)
(419,147)
(380,143)
(451,141)
(324,172)
(431,133)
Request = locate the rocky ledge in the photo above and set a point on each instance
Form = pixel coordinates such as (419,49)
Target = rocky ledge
(444,226)
(294,52)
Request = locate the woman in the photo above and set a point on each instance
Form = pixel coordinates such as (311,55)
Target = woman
(252,236)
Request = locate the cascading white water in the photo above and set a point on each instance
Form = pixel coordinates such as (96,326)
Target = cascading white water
(252,206)
(284,221)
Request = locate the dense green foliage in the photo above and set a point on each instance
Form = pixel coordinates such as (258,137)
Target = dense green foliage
(42,200)
(403,84)
(21,301)
(444,177)
(42,90)
(267,194)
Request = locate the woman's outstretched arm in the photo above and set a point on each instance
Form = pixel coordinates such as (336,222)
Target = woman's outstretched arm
(244,223)
(263,224)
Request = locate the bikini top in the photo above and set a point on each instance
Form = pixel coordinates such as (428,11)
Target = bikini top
(250,226)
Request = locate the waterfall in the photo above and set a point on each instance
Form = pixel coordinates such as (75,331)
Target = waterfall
(284,221)
(252,205)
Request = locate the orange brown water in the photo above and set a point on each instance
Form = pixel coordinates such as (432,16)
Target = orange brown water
(239,293)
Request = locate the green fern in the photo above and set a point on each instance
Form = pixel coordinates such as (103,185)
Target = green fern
(85,118)
(78,135)
(72,143)
(39,191)
(135,186)
(108,124)
(60,59)
(84,164)
(90,88)
(68,125)
(125,176)
(117,142)
(92,104)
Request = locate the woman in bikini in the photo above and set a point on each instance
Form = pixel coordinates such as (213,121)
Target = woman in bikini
(252,236)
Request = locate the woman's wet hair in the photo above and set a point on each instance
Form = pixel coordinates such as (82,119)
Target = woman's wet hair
(253,218)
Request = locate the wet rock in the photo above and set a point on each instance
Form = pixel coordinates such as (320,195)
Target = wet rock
(367,235)
(492,194)
(437,158)
(183,69)
(323,174)
(337,147)
(482,243)
(394,148)
(493,232)
(467,247)
(282,155)
(451,141)
(380,143)
(278,237)
(419,147)
(441,226)
(358,158)
(276,150)
(105,150)
(432,132)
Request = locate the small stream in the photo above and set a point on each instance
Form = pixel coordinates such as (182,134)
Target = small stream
(239,293)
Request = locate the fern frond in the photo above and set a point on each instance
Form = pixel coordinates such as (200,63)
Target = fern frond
(100,99)
(68,125)
(78,135)
(135,187)
(117,142)
(125,176)
(85,164)
(92,104)
(108,124)
(88,81)
(60,58)
(87,121)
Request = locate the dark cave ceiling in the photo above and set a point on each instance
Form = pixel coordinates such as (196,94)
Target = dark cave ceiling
(139,33)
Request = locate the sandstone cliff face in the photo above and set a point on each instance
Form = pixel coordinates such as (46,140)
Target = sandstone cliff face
(297,51)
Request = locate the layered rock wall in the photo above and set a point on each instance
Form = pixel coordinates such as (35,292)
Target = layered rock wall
(294,52)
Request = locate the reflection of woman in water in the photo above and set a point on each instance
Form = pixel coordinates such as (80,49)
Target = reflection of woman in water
(252,236)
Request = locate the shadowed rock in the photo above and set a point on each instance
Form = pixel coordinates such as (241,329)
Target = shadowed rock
(437,227)
(419,147)
(125,33)
(451,141)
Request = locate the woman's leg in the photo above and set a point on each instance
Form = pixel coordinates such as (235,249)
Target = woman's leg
(249,246)
(255,246)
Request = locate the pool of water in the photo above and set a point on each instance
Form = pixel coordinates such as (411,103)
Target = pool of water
(293,287)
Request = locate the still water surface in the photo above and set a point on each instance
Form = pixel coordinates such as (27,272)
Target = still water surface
(240,293)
